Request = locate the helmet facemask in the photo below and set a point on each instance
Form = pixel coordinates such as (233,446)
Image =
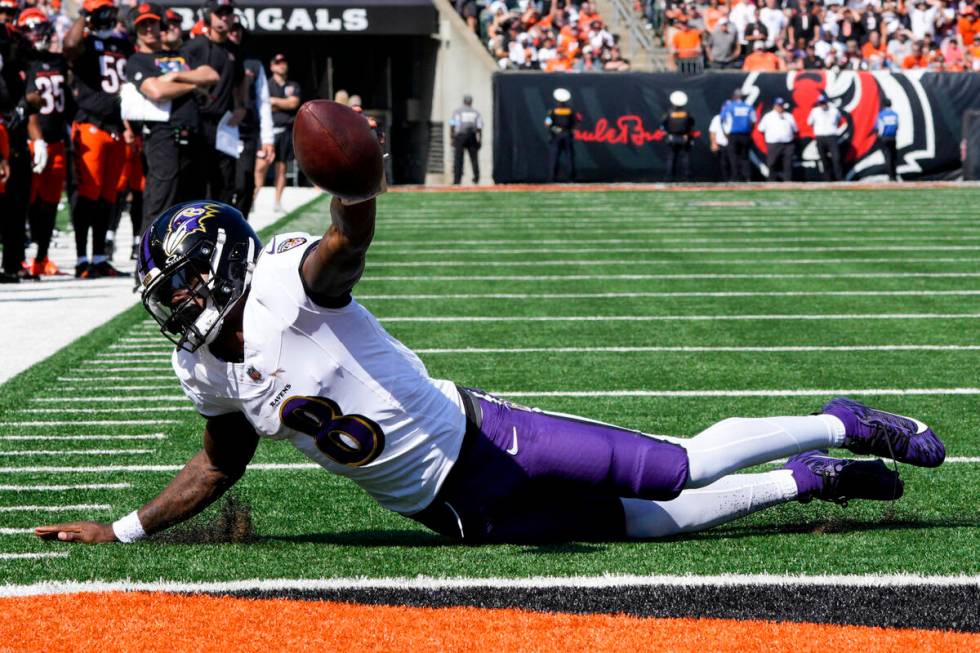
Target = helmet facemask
(39,33)
(102,21)
(206,286)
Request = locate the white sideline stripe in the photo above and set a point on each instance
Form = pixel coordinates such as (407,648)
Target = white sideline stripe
(598,263)
(79,506)
(64,488)
(870,392)
(617,350)
(98,469)
(684,318)
(669,277)
(33,556)
(614,295)
(274,467)
(78,452)
(425,583)
(58,400)
(89,364)
(110,388)
(149,436)
(89,380)
(152,409)
(93,422)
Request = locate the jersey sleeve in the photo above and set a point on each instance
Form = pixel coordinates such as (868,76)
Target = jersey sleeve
(206,405)
(196,52)
(139,68)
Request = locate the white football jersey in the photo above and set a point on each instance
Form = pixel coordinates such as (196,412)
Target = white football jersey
(334,383)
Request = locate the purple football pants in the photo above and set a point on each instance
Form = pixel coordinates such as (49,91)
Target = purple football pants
(524,475)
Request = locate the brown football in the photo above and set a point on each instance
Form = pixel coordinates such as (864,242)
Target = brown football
(337,149)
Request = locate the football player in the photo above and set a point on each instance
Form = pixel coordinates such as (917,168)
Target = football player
(97,56)
(46,88)
(270,343)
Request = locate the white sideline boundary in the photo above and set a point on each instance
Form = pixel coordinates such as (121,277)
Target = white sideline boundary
(424,583)
(277,467)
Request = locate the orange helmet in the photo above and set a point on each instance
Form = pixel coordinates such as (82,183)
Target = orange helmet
(31,16)
(9,5)
(91,6)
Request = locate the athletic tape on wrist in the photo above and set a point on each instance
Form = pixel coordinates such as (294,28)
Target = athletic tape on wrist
(129,528)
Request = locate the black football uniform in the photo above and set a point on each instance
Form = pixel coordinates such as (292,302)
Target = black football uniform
(282,121)
(47,75)
(99,74)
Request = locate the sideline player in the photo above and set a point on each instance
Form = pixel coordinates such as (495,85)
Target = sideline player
(97,56)
(46,85)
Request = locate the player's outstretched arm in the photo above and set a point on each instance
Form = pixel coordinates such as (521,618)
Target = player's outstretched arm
(229,444)
(337,263)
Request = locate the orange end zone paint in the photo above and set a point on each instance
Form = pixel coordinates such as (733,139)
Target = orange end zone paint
(162,623)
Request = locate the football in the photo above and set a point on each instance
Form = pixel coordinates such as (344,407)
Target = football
(337,149)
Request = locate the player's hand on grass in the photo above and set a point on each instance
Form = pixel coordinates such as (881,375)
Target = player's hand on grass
(86,532)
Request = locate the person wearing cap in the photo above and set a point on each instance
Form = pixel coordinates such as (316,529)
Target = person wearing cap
(466,132)
(228,96)
(826,120)
(779,129)
(172,31)
(738,121)
(286,96)
(886,126)
(723,45)
(173,147)
(97,55)
(255,129)
(560,122)
(719,147)
(678,123)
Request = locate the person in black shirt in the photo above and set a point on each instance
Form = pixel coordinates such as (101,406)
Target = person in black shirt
(255,129)
(228,95)
(97,56)
(46,86)
(173,148)
(15,113)
(561,121)
(285,97)
(679,125)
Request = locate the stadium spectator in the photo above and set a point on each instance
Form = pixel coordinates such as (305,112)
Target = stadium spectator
(561,121)
(826,120)
(224,106)
(723,47)
(255,129)
(738,120)
(466,132)
(919,58)
(15,166)
(886,126)
(899,47)
(685,45)
(285,98)
(779,129)
(719,147)
(762,60)
(678,123)
(172,35)
(775,22)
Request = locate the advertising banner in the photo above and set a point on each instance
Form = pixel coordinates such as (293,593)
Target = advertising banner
(618,136)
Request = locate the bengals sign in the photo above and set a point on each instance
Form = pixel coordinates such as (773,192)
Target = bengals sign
(619,135)
(388,17)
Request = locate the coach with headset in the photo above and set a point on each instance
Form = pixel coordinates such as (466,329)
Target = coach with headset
(224,107)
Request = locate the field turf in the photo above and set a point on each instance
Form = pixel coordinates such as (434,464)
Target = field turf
(661,311)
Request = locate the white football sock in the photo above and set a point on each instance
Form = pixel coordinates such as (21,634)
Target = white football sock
(740,442)
(724,500)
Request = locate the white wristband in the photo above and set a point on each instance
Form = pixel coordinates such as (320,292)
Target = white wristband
(129,528)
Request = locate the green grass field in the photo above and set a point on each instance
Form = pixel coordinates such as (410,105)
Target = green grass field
(678,309)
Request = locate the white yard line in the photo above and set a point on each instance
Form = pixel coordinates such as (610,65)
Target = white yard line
(33,556)
(65,488)
(93,422)
(59,400)
(149,436)
(142,409)
(424,583)
(117,388)
(869,392)
(639,263)
(98,469)
(70,508)
(78,452)
(16,531)
(672,277)
(688,349)
(88,380)
(117,370)
(641,294)
(683,318)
